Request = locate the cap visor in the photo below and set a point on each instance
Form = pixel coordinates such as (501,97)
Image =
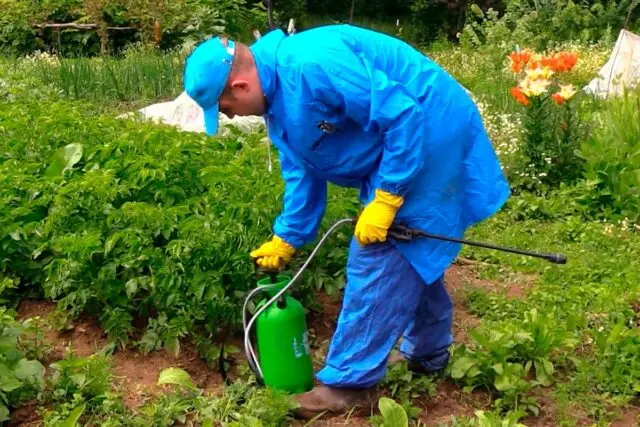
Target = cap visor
(211,117)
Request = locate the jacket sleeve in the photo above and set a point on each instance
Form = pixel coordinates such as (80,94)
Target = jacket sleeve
(367,95)
(304,204)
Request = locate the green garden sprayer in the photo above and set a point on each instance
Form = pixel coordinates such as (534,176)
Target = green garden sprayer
(284,360)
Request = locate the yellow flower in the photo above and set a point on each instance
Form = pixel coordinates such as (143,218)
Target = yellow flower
(534,87)
(539,73)
(567,91)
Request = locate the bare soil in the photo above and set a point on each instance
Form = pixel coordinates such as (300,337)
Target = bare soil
(136,373)
(515,285)
(26,415)
(629,418)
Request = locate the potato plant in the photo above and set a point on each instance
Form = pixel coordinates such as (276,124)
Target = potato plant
(135,222)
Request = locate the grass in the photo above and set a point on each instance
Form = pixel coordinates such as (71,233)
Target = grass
(592,299)
(140,74)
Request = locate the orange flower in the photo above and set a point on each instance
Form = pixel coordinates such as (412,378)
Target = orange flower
(558,99)
(562,61)
(549,62)
(566,61)
(536,62)
(518,60)
(558,62)
(517,93)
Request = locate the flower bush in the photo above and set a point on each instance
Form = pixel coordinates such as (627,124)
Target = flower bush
(552,128)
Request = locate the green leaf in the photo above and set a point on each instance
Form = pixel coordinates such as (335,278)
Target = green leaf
(176,376)
(523,337)
(64,159)
(8,380)
(544,371)
(469,388)
(461,366)
(70,363)
(498,368)
(173,345)
(29,368)
(473,372)
(78,379)
(393,414)
(4,413)
(505,382)
(74,416)
(7,342)
(131,287)
(111,242)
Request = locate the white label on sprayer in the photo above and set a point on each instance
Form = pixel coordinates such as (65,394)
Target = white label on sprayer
(305,342)
(300,349)
(296,349)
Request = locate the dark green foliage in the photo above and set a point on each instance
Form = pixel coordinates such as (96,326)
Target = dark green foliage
(544,24)
(613,160)
(164,23)
(127,220)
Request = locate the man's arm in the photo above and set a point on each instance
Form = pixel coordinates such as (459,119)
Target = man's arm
(304,204)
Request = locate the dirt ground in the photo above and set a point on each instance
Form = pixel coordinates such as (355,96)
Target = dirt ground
(136,373)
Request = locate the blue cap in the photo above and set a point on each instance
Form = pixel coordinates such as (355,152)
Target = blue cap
(205,77)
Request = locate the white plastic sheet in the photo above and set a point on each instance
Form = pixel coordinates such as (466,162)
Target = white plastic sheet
(184,113)
(621,71)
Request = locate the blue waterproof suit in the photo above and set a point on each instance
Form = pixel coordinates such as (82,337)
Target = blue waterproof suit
(362,109)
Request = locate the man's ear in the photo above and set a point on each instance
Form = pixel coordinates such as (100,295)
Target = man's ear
(240,83)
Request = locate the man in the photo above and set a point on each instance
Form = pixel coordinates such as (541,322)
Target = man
(362,109)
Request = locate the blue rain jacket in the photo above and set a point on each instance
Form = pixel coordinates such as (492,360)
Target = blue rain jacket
(361,109)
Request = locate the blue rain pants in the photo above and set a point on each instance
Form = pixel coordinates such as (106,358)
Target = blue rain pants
(385,298)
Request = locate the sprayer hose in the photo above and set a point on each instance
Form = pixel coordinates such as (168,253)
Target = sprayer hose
(248,348)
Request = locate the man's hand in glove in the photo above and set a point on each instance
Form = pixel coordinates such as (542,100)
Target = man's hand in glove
(274,254)
(377,217)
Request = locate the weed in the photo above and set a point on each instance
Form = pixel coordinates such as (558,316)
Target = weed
(21,377)
(406,387)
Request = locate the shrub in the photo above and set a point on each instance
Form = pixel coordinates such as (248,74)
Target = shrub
(547,23)
(612,157)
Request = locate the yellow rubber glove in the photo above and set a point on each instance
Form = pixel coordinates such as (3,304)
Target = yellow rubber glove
(273,254)
(377,217)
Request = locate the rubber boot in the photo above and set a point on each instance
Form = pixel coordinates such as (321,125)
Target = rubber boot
(323,398)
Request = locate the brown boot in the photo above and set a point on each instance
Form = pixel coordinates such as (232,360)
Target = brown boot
(335,400)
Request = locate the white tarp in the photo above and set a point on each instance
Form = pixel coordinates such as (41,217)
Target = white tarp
(622,70)
(184,113)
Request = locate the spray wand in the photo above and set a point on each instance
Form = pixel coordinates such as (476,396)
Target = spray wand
(398,232)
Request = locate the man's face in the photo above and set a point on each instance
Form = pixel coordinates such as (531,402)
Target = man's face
(242,97)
